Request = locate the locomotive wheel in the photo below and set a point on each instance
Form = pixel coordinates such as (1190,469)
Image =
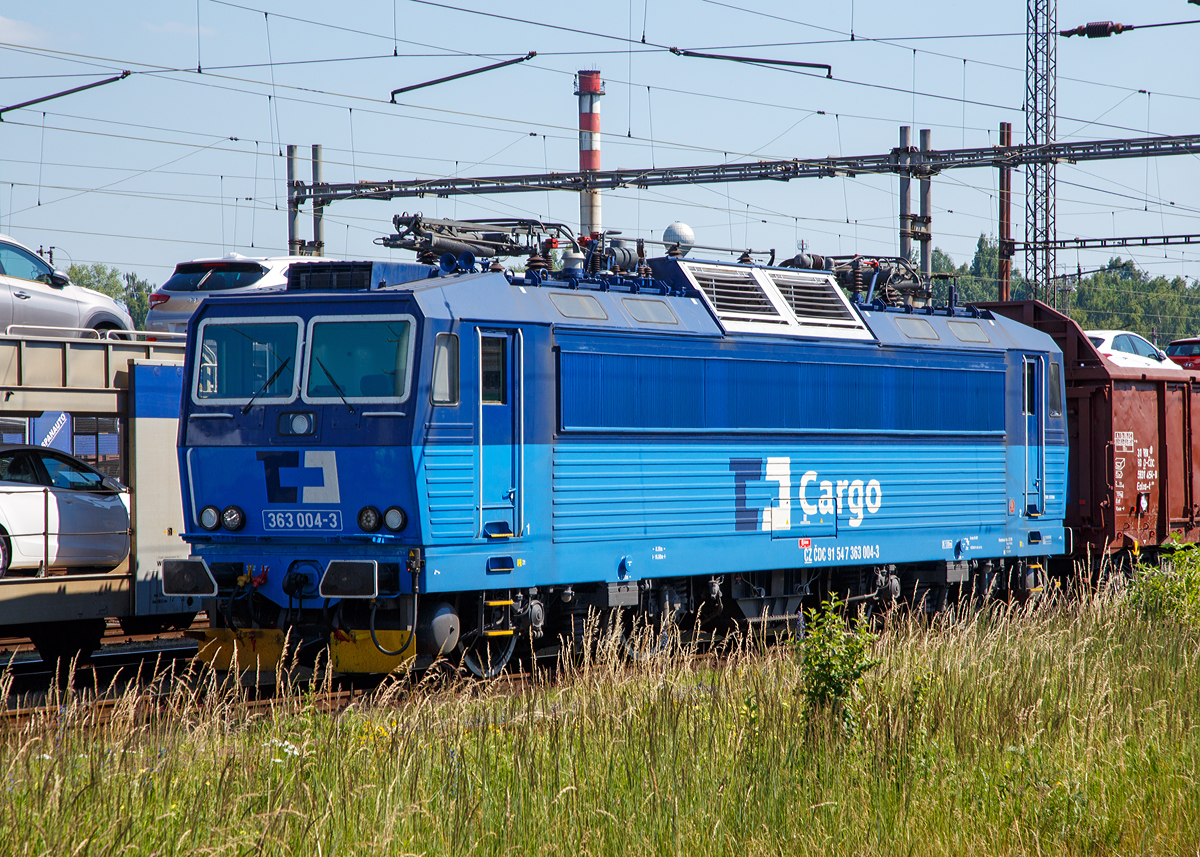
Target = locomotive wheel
(486,657)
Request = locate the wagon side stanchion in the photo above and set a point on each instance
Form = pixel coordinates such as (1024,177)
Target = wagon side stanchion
(45,569)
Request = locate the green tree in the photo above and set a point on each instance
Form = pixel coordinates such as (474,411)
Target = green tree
(941,263)
(130,289)
(100,278)
(1122,297)
(979,281)
(137,299)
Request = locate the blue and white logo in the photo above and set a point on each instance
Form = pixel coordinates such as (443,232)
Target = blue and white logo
(315,482)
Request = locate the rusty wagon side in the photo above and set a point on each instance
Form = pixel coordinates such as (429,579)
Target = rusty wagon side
(1134,444)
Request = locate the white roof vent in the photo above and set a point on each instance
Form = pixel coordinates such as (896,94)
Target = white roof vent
(764,300)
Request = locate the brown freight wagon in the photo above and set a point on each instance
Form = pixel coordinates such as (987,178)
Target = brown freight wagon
(1134,444)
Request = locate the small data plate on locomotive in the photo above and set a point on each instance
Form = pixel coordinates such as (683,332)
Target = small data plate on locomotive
(308,520)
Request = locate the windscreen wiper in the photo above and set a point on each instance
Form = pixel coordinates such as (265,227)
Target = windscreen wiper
(333,381)
(267,383)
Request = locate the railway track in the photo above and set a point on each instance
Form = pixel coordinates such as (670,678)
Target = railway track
(149,666)
(114,636)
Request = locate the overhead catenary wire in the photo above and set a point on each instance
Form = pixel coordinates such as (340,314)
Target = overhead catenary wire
(545,138)
(209,145)
(624,39)
(271,99)
(162,70)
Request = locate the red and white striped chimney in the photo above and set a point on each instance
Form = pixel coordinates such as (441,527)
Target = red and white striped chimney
(589,88)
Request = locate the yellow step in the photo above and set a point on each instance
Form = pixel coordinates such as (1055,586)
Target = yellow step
(507,603)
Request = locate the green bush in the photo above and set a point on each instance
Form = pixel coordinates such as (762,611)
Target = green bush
(1171,589)
(834,657)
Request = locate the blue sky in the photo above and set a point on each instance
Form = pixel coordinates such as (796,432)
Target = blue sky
(170,164)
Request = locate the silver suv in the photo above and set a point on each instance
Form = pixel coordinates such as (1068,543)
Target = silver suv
(35,297)
(174,302)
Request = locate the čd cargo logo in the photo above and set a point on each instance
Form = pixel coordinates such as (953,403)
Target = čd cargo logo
(288,482)
(817,497)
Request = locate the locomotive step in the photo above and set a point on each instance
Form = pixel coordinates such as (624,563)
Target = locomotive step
(506,603)
(505,632)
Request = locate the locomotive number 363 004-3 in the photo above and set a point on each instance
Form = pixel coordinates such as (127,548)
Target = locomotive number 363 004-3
(302,519)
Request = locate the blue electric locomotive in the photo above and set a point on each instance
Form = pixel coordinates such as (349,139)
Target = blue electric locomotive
(395,461)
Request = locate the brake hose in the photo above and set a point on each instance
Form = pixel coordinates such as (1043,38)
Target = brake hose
(412,628)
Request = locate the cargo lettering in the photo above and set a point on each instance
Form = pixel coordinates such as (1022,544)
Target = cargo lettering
(857,496)
(816,496)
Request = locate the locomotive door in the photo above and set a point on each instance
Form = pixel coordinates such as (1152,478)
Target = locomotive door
(1033,414)
(501,433)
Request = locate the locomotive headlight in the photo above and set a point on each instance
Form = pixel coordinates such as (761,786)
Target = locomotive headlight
(210,517)
(395,519)
(369,519)
(233,518)
(297,424)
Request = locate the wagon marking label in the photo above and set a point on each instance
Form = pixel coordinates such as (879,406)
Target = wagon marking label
(841,553)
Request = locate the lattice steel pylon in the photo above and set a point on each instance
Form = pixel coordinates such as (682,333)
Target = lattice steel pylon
(1041,81)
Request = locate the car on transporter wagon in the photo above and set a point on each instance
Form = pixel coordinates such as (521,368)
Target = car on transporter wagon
(56,512)
(1185,352)
(37,299)
(173,304)
(1129,350)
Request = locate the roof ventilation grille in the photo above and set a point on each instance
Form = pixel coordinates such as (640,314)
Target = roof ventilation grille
(735,294)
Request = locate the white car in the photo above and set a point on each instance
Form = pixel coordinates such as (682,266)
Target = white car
(36,299)
(1130,350)
(174,302)
(59,512)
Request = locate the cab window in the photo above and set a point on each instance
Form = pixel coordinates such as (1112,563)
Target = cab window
(493,370)
(445,369)
(240,359)
(1030,406)
(1054,393)
(359,359)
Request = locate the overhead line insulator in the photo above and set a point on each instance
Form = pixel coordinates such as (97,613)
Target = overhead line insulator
(1097,30)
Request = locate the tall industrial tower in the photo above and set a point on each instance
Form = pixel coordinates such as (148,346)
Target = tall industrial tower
(1041,82)
(589,88)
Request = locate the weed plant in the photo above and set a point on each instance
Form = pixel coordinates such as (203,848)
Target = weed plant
(1069,729)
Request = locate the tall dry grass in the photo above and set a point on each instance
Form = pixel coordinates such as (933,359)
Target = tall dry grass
(1069,729)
